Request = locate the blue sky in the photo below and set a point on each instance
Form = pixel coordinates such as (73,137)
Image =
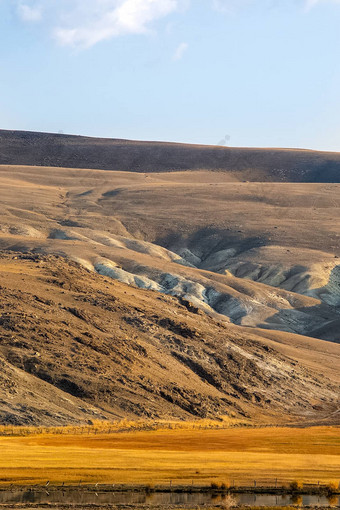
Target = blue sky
(238,72)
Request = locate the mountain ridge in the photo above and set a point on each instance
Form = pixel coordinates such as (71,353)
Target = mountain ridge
(253,164)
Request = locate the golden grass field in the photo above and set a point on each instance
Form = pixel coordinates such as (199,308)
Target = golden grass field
(181,455)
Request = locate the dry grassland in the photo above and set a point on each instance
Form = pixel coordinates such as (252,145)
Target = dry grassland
(109,427)
(181,455)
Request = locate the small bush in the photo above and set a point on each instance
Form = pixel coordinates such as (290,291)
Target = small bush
(214,486)
(149,488)
(331,487)
(296,485)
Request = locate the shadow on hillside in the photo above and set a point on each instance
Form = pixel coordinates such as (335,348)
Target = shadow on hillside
(321,321)
(209,240)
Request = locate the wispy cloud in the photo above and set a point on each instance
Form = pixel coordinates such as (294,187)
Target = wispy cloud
(180,50)
(29,13)
(83,23)
(99,20)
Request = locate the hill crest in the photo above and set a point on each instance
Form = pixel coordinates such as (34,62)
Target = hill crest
(252,164)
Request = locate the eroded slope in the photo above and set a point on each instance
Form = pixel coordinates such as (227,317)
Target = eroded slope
(76,346)
(254,254)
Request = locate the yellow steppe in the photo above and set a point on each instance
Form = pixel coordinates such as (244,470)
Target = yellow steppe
(238,454)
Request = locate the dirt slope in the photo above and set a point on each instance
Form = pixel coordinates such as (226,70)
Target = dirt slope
(255,254)
(281,165)
(77,346)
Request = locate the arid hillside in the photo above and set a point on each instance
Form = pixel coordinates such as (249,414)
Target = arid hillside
(76,346)
(171,294)
(280,165)
(254,254)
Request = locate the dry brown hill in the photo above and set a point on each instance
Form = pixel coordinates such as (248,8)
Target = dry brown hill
(76,346)
(281,165)
(256,254)
(167,294)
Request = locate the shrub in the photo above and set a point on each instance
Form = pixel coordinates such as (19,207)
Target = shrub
(149,488)
(331,488)
(296,485)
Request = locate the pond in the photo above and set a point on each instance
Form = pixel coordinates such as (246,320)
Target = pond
(158,499)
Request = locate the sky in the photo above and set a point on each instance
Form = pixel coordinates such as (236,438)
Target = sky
(256,73)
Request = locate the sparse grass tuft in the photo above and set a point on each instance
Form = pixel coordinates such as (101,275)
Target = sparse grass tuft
(110,427)
(228,501)
(224,486)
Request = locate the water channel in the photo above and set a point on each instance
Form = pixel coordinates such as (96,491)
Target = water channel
(158,499)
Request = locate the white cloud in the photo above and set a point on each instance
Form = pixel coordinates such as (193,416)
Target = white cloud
(84,23)
(93,21)
(181,49)
(29,13)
